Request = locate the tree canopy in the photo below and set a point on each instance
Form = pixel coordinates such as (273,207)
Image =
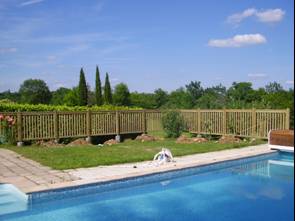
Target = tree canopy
(121,95)
(34,91)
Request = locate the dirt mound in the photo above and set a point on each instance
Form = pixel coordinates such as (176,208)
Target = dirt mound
(188,140)
(145,137)
(229,139)
(199,140)
(78,142)
(111,142)
(184,139)
(50,143)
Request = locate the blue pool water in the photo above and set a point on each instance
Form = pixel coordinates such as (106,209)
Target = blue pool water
(259,188)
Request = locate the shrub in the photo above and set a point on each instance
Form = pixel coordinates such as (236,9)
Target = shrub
(7,125)
(173,124)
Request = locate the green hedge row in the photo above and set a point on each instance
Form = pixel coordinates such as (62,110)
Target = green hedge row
(5,107)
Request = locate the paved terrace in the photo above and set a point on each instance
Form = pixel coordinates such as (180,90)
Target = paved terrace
(30,176)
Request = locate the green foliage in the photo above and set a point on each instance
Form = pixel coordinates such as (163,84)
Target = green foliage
(58,96)
(12,107)
(213,98)
(121,95)
(240,92)
(98,92)
(12,96)
(108,98)
(144,100)
(34,91)
(82,90)
(179,99)
(273,87)
(161,97)
(173,124)
(195,91)
(72,97)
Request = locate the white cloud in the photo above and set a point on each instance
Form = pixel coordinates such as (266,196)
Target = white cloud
(238,17)
(7,50)
(266,16)
(270,15)
(257,76)
(31,2)
(290,82)
(238,41)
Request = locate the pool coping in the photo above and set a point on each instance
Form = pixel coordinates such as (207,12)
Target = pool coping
(169,167)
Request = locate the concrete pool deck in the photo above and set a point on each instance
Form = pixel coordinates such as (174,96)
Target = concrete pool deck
(30,176)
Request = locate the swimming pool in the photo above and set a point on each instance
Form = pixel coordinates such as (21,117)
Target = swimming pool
(256,188)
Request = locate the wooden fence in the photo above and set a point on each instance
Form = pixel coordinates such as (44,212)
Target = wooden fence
(55,125)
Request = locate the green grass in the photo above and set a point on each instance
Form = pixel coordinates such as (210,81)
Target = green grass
(128,151)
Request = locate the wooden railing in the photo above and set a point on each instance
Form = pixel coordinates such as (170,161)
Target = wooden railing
(56,125)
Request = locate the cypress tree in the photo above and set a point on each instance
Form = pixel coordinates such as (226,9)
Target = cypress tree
(83,92)
(108,91)
(98,95)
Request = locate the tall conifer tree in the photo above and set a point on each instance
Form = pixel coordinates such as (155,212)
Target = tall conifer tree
(83,91)
(108,99)
(98,94)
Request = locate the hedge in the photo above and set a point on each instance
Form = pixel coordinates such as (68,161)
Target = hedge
(13,107)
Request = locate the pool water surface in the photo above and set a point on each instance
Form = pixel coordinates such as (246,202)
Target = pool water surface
(257,188)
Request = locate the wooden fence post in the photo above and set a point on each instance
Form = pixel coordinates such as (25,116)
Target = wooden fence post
(88,125)
(118,137)
(56,129)
(254,126)
(144,122)
(288,119)
(224,122)
(199,121)
(19,129)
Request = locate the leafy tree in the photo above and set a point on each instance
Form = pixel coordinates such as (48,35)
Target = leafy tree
(72,97)
(213,98)
(239,94)
(161,97)
(273,87)
(108,98)
(98,93)
(121,95)
(179,99)
(12,96)
(82,90)
(143,100)
(34,91)
(58,96)
(195,90)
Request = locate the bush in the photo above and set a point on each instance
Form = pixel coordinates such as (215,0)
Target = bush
(7,125)
(173,124)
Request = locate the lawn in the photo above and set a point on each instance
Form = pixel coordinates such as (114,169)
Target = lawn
(128,151)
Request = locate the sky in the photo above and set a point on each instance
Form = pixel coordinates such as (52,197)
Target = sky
(147,44)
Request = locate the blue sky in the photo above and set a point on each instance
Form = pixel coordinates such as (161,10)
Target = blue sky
(147,44)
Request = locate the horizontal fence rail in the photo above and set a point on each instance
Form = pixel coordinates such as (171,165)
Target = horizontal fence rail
(56,125)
